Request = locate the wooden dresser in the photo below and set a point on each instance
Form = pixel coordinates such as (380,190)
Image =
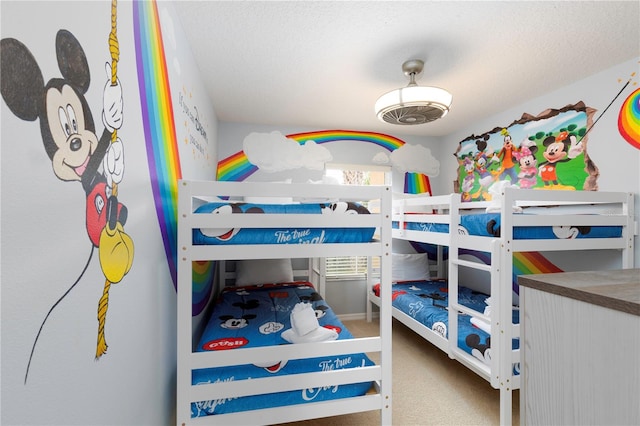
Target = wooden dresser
(580,348)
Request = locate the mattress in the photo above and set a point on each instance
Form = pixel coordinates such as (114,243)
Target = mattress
(257,316)
(218,236)
(427,302)
(488,225)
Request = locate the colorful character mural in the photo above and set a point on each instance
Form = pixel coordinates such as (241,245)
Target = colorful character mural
(547,151)
(77,154)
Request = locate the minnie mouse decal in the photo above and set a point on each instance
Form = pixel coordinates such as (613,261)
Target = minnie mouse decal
(77,154)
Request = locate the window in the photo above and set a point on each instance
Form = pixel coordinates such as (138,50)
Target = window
(354,267)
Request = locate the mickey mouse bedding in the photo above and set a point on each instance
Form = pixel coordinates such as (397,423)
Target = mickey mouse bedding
(217,236)
(428,303)
(261,315)
(488,225)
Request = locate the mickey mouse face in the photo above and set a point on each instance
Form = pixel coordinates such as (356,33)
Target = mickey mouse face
(320,311)
(570,232)
(555,151)
(343,207)
(232,323)
(67,126)
(223,234)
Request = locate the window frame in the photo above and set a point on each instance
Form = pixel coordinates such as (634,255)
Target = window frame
(337,268)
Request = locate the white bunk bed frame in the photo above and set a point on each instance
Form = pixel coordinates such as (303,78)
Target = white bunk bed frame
(608,208)
(189,192)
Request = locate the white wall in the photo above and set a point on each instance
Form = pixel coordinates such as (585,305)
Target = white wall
(45,246)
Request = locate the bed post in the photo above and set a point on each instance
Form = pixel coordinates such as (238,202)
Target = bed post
(385,310)
(630,230)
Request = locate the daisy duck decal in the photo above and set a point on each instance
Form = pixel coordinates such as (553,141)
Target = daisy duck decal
(78,151)
(547,151)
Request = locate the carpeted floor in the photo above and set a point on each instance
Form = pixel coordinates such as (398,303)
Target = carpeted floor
(429,388)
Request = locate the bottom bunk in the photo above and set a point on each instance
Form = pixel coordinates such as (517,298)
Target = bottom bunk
(423,306)
(274,315)
(459,320)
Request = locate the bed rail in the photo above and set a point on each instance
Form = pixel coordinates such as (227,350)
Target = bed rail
(193,193)
(517,208)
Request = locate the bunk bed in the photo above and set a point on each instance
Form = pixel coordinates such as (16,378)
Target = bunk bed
(515,222)
(213,226)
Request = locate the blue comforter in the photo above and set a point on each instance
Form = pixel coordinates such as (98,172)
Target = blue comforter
(257,316)
(427,302)
(217,236)
(488,225)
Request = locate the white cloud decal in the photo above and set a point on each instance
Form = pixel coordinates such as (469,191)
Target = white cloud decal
(273,152)
(381,158)
(415,159)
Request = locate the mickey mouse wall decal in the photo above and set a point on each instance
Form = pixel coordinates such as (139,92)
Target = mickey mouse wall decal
(77,154)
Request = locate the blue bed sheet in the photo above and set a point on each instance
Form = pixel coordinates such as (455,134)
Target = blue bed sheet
(427,302)
(257,316)
(219,236)
(488,225)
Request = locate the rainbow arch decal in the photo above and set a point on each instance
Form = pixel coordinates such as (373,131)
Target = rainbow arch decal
(158,122)
(629,119)
(237,166)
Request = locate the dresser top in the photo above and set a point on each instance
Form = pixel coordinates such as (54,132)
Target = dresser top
(613,289)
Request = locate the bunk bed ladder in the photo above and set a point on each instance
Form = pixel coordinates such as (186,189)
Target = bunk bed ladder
(501,372)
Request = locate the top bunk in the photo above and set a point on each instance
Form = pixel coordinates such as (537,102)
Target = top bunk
(262,220)
(523,219)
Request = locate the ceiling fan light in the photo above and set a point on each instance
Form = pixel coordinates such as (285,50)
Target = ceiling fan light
(414,96)
(413,104)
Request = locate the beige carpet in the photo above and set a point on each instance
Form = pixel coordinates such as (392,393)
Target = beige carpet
(429,388)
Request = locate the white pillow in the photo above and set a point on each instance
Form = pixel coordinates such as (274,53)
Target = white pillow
(263,271)
(410,267)
(270,200)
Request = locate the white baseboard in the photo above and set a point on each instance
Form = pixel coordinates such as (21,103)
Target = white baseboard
(359,316)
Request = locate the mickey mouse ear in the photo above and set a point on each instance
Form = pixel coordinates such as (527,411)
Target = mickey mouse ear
(22,83)
(72,60)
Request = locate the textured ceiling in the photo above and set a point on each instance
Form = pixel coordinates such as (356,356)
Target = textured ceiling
(323,64)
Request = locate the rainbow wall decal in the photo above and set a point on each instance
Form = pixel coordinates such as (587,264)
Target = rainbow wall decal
(158,122)
(524,263)
(416,183)
(532,262)
(202,279)
(237,166)
(629,119)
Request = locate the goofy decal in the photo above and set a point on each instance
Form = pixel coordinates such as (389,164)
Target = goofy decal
(76,152)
